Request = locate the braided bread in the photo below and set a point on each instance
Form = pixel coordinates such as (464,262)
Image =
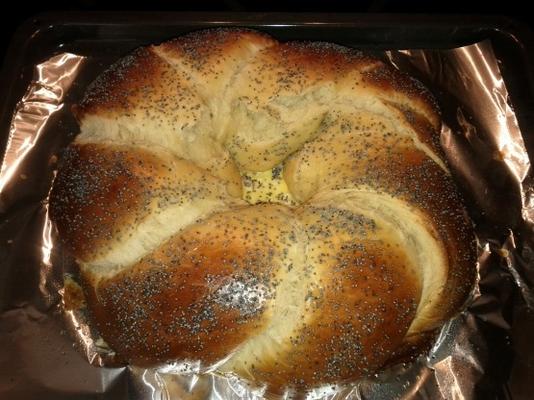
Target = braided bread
(282,211)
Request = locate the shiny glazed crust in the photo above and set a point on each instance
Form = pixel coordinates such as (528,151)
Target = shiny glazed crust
(376,253)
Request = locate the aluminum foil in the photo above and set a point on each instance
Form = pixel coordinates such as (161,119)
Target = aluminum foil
(49,351)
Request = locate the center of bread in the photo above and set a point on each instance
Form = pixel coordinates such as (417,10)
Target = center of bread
(266,187)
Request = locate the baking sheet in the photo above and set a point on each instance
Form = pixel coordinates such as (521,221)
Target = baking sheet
(50,352)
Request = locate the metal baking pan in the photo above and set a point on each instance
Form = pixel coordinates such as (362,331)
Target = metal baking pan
(112,35)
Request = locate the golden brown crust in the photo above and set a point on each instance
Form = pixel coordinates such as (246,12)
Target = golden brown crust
(405,90)
(198,295)
(142,80)
(103,191)
(325,292)
(95,193)
(423,184)
(426,133)
(343,156)
(211,56)
(358,310)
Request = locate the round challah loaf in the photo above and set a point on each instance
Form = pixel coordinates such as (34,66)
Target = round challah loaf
(281,211)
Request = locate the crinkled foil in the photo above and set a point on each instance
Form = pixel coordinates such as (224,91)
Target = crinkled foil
(49,352)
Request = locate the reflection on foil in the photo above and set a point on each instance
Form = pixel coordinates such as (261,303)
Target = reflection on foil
(470,359)
(508,253)
(43,98)
(46,250)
